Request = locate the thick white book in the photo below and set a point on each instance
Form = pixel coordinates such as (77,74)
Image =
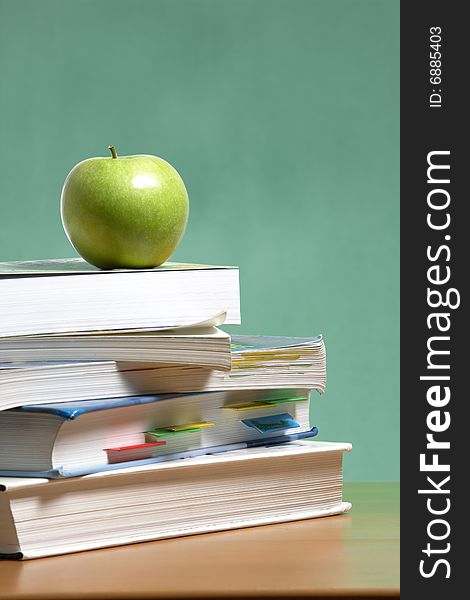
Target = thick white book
(257,363)
(77,438)
(69,295)
(204,347)
(241,488)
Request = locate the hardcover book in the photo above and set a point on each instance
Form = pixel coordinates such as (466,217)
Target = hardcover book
(69,295)
(241,488)
(70,439)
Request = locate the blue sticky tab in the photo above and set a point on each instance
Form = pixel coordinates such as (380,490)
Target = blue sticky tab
(271,423)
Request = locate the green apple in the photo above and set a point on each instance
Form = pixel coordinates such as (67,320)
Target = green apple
(124,211)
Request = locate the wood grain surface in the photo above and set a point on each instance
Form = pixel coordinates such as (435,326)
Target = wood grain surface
(349,556)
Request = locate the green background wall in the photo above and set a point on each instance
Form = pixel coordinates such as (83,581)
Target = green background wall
(281,116)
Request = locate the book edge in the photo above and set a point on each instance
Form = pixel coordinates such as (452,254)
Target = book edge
(309,447)
(338,509)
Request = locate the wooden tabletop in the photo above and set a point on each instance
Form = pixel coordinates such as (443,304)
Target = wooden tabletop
(349,556)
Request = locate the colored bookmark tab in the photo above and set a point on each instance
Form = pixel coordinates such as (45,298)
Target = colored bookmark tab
(190,426)
(132,452)
(274,401)
(272,423)
(264,403)
(248,405)
(177,429)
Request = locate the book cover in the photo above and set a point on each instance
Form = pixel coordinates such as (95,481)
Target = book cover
(77,266)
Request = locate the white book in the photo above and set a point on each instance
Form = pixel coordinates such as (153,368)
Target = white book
(205,347)
(258,362)
(69,295)
(241,488)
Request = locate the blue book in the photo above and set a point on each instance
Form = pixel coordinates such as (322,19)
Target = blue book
(77,438)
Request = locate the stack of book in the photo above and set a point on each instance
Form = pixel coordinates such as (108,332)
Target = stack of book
(127,415)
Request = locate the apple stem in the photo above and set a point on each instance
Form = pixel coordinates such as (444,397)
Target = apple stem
(113,151)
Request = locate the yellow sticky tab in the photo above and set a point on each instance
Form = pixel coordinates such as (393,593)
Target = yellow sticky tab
(189,426)
(265,403)
(248,405)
